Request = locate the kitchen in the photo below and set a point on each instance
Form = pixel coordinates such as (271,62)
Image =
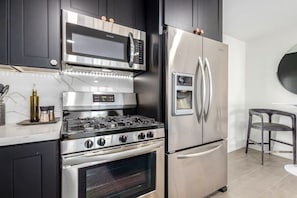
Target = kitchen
(50,85)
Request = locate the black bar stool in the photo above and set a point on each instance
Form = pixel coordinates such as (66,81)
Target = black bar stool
(270,126)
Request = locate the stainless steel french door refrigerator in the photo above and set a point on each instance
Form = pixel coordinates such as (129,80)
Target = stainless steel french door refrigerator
(196,104)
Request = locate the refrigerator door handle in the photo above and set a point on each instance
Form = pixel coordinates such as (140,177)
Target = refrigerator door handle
(200,153)
(210,91)
(200,67)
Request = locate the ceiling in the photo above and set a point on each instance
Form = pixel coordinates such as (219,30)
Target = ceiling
(249,19)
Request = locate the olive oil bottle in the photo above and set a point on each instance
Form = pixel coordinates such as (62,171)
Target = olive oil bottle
(34,106)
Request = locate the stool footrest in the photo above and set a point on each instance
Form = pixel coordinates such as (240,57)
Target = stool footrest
(255,142)
(281,142)
(278,151)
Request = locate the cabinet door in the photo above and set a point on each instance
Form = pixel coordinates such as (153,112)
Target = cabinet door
(35,33)
(180,14)
(139,15)
(94,8)
(210,18)
(121,11)
(30,170)
(3,31)
(128,13)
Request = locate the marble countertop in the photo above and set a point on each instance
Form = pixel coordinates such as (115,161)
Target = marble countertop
(12,134)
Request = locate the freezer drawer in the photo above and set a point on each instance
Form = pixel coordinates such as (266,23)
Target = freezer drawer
(197,172)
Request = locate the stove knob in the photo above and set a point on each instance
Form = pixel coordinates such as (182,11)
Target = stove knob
(123,138)
(141,136)
(89,144)
(101,141)
(150,134)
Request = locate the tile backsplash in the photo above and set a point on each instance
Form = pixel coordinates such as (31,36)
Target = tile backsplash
(49,89)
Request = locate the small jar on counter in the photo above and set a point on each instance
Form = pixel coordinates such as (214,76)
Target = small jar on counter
(2,113)
(44,115)
(51,113)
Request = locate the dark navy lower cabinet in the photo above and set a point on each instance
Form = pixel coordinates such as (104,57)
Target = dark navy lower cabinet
(30,170)
(35,33)
(3,31)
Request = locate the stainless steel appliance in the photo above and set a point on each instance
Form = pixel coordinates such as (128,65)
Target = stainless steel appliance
(93,42)
(107,150)
(195,114)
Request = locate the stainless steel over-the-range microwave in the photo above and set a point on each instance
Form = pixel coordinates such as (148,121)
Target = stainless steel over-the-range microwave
(89,41)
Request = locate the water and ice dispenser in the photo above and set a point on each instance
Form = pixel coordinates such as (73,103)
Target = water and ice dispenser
(183,93)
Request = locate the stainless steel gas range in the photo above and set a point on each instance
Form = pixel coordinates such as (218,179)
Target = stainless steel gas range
(109,151)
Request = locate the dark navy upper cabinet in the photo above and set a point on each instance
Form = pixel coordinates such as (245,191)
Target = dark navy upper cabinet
(30,170)
(3,31)
(189,15)
(127,12)
(94,8)
(210,18)
(124,12)
(180,14)
(35,33)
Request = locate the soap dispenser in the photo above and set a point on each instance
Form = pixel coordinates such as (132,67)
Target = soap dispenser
(34,106)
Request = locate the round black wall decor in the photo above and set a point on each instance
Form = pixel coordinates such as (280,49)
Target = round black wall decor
(287,70)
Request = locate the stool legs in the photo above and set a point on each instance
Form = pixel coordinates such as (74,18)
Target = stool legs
(269,141)
(248,134)
(262,146)
(269,135)
(294,145)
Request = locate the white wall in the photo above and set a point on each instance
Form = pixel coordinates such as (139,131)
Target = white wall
(49,88)
(262,86)
(236,93)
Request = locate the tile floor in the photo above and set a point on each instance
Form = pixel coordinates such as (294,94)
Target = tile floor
(248,179)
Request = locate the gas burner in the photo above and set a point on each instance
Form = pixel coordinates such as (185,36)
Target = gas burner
(108,123)
(90,122)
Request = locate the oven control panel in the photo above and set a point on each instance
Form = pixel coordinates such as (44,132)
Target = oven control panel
(104,141)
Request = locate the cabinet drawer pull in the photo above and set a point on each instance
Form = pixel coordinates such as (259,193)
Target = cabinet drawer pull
(111,20)
(196,31)
(201,32)
(103,18)
(53,62)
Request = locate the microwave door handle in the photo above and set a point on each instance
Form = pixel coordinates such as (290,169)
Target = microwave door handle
(132,49)
(209,102)
(200,67)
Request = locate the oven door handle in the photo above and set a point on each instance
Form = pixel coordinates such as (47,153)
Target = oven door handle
(89,159)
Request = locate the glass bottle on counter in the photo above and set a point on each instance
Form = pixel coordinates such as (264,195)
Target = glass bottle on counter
(34,106)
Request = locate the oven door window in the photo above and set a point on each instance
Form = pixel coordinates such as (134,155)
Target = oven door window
(124,178)
(83,41)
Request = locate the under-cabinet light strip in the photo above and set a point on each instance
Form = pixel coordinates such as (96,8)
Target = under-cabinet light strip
(97,74)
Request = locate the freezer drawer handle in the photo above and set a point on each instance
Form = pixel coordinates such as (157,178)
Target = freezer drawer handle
(200,153)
